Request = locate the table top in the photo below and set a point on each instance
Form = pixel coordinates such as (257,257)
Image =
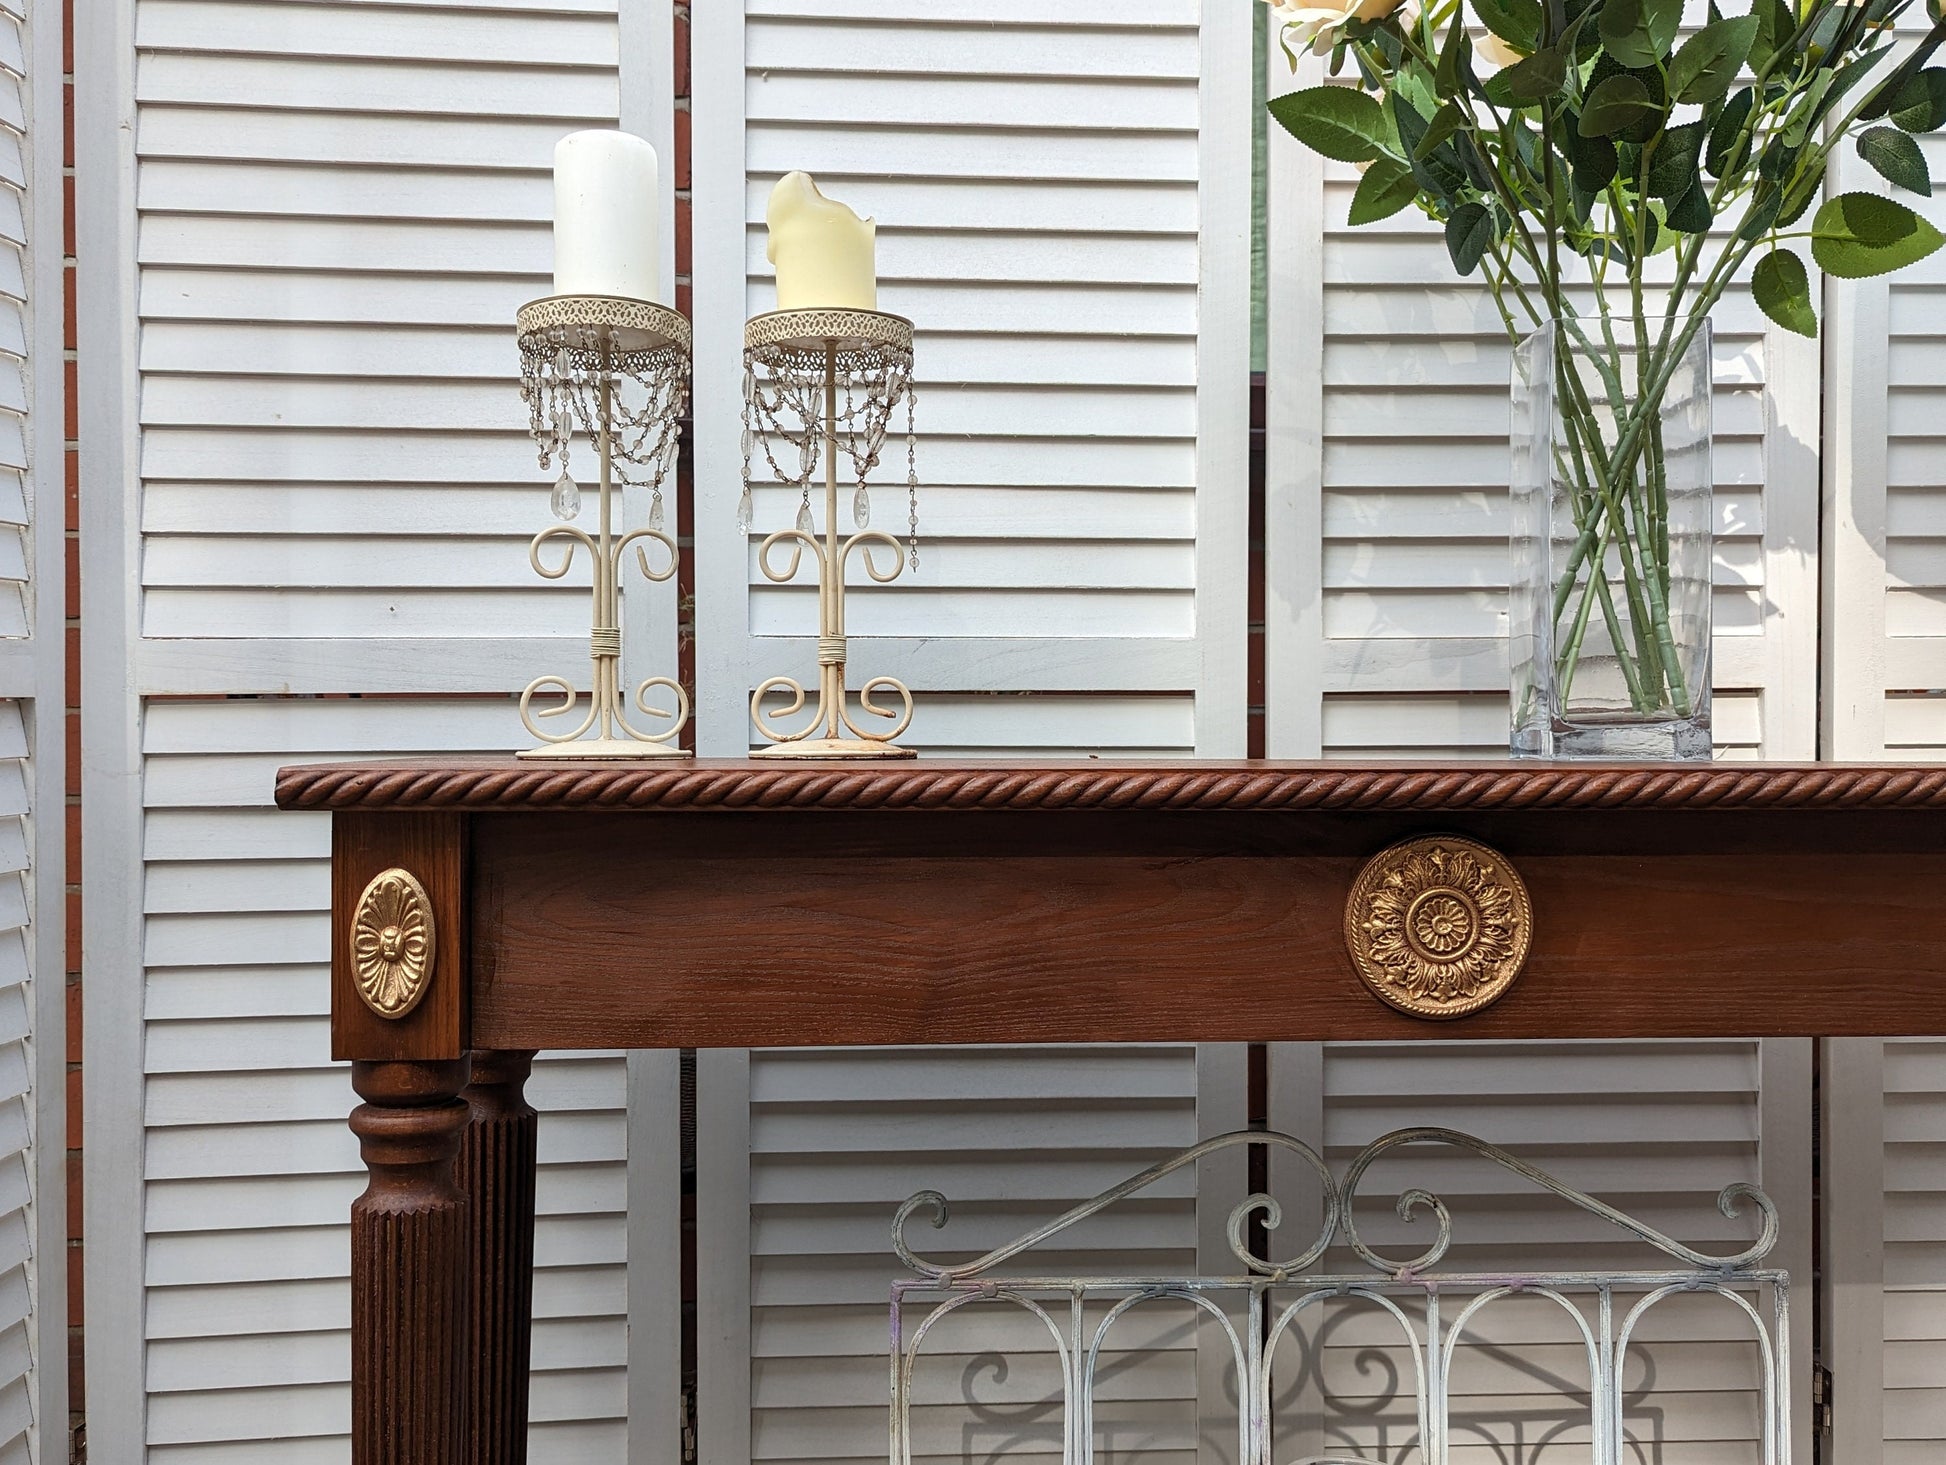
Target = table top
(1122,900)
(506,784)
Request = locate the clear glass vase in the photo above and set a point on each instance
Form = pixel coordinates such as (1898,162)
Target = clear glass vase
(1609,611)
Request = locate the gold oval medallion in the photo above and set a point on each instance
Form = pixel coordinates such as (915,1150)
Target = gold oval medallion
(1438,926)
(392,942)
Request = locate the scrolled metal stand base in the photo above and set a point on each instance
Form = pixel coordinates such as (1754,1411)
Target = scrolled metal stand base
(826,334)
(611,334)
(834,748)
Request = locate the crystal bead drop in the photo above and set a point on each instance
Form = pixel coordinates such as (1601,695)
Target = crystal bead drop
(804,524)
(566,502)
(655,510)
(861,508)
(744,511)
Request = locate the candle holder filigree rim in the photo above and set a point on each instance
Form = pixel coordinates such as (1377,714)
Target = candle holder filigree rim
(824,350)
(632,325)
(815,328)
(600,339)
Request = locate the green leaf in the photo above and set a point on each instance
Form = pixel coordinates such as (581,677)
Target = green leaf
(1517,22)
(1337,121)
(1539,76)
(1439,171)
(1445,122)
(1896,158)
(1387,187)
(1478,171)
(1692,214)
(1468,234)
(1777,160)
(1783,289)
(1727,145)
(1673,170)
(1593,161)
(1616,105)
(1639,33)
(1849,75)
(1798,121)
(1775,26)
(1453,68)
(1920,105)
(1827,22)
(1857,235)
(1708,62)
(1761,217)
(1665,237)
(1890,90)
(1800,195)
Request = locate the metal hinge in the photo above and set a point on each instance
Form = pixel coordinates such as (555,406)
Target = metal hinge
(1821,1398)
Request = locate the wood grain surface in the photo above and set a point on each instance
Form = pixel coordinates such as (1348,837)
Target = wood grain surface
(409,1292)
(733,930)
(495,1171)
(431,846)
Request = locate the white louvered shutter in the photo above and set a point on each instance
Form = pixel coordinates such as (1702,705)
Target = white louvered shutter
(795,1262)
(1387,465)
(33,1220)
(1657,1129)
(1915,1251)
(1062,199)
(1885,1248)
(338,208)
(250,1170)
(1884,669)
(23,1434)
(1885,509)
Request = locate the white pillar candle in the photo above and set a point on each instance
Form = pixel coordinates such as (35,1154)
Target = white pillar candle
(605,210)
(822,250)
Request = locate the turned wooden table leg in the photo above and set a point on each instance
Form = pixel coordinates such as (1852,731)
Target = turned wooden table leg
(496,1171)
(408,1266)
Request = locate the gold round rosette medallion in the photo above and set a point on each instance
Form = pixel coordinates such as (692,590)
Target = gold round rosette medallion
(393,941)
(1438,926)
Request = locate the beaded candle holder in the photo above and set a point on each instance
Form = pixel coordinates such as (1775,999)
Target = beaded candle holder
(826,385)
(619,370)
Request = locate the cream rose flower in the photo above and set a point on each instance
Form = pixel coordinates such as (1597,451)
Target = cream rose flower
(1497,51)
(1317,20)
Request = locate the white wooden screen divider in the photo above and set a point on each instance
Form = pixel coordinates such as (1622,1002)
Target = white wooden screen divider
(1884,696)
(1063,201)
(33,772)
(306,225)
(1885,1248)
(1885,497)
(1064,214)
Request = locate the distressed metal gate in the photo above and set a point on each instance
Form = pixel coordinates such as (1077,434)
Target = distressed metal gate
(1258,1308)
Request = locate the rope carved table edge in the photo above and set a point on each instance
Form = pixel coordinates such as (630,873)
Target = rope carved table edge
(735,786)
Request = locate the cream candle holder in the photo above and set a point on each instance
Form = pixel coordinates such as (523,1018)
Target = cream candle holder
(798,367)
(578,353)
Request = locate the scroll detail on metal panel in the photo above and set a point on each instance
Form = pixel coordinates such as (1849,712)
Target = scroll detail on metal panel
(1256,1308)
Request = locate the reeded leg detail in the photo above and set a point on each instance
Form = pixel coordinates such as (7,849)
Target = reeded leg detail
(408,1266)
(496,1171)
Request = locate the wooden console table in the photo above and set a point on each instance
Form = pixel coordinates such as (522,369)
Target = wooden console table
(743,904)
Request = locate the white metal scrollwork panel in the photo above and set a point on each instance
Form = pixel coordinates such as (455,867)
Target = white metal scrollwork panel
(1430,1313)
